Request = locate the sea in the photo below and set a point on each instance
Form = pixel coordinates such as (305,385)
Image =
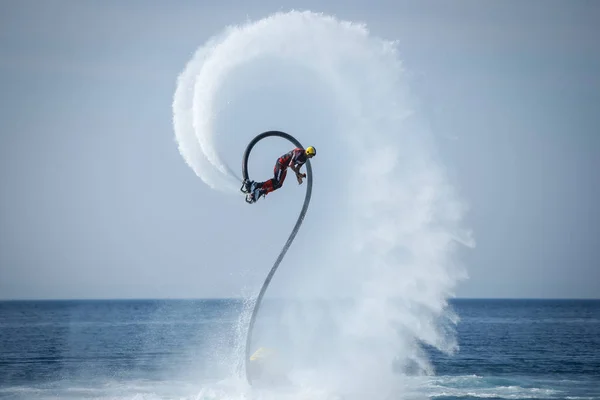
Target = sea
(190,349)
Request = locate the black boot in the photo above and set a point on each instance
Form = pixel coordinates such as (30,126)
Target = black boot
(246,186)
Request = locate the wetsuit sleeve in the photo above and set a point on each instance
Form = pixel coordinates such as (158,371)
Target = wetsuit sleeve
(297,157)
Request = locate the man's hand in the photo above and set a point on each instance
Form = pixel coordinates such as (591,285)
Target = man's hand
(299,176)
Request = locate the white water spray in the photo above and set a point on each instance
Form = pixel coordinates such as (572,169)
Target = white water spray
(390,220)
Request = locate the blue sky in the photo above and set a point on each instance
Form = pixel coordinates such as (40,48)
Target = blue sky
(96,201)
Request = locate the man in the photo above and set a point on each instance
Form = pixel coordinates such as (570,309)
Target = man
(294,159)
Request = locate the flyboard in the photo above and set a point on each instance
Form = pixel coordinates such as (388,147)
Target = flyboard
(247,186)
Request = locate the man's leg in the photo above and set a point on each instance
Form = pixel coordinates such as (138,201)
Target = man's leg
(276,182)
(279,174)
(263,188)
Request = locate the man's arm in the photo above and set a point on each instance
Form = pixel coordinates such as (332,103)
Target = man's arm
(295,165)
(296,169)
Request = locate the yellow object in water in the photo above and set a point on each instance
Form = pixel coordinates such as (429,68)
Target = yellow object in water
(262,353)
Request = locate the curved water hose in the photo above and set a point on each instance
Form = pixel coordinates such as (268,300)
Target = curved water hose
(290,238)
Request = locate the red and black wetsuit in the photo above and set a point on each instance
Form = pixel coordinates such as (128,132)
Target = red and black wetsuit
(295,156)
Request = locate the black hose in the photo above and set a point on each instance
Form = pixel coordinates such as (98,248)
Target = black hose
(290,238)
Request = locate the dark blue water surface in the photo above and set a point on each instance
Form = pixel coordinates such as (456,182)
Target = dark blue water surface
(158,349)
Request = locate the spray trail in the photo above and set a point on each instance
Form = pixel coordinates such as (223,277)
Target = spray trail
(389,218)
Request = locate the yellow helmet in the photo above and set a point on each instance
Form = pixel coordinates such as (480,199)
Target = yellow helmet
(311,151)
